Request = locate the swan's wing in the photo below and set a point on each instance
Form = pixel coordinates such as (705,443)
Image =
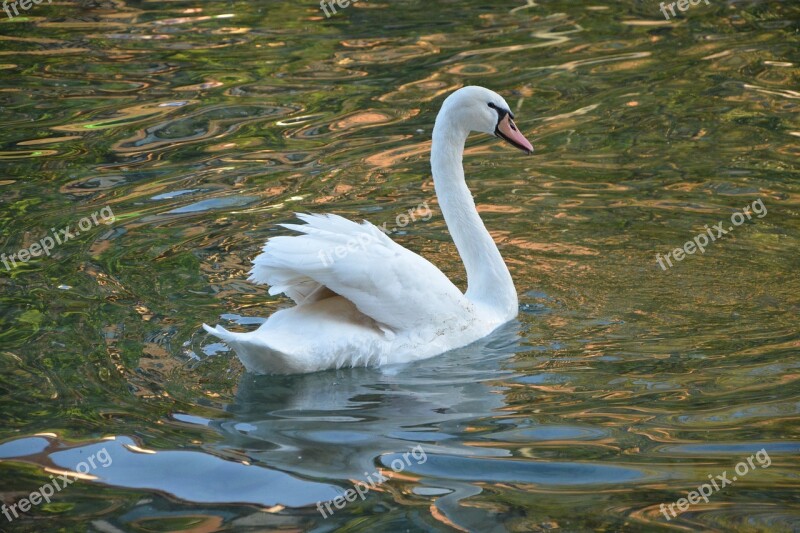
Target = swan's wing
(386,282)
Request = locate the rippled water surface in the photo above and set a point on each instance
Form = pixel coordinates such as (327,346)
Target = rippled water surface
(622,386)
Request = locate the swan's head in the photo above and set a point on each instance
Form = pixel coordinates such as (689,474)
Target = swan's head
(478,109)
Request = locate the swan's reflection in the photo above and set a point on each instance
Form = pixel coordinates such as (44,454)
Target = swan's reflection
(335,424)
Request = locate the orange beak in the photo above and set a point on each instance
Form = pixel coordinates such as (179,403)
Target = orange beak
(507,130)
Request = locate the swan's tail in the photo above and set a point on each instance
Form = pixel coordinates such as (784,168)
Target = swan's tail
(220,332)
(258,355)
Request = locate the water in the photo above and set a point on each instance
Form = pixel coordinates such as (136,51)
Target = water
(622,386)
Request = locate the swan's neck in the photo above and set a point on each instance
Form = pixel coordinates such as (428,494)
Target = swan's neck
(489,282)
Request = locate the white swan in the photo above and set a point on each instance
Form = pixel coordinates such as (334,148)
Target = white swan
(378,303)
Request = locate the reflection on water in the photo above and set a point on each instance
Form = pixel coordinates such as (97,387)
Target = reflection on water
(620,387)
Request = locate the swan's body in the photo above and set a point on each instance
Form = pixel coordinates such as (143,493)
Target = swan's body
(379,303)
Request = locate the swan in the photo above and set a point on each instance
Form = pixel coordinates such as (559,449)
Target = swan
(373,302)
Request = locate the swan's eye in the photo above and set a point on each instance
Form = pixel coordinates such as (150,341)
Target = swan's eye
(501,113)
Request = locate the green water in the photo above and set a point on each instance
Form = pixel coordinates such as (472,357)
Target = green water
(202,125)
